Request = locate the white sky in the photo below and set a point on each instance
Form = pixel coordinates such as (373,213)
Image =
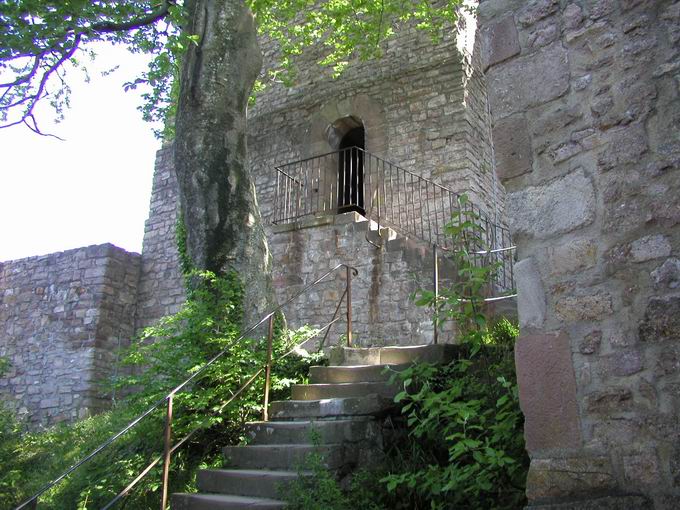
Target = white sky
(91,189)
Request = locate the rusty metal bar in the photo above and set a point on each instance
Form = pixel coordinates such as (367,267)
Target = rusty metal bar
(349,306)
(167,455)
(335,314)
(436,293)
(268,369)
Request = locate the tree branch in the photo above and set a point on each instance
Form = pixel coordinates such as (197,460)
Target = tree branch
(106,27)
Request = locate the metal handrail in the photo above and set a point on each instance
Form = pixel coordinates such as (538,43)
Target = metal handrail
(168,398)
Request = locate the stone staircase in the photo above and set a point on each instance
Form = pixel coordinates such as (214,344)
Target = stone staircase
(339,416)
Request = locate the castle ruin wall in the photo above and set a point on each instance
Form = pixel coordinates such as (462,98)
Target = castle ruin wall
(585,104)
(64,316)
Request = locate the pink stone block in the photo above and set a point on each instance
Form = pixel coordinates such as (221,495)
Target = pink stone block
(547,391)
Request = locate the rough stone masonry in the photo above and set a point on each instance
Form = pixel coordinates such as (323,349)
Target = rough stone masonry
(586,129)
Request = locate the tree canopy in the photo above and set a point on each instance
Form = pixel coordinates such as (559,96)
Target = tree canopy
(43,41)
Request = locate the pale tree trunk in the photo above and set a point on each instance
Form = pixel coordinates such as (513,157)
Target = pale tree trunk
(217,194)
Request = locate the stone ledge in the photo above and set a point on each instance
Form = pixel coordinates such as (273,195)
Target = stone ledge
(319,221)
(603,503)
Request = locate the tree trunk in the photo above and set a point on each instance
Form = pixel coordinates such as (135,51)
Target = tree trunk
(222,218)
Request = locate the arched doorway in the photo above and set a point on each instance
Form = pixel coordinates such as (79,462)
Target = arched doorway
(351,170)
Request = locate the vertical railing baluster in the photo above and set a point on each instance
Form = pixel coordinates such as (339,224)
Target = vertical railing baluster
(420,201)
(452,205)
(437,234)
(435,278)
(348,284)
(276,197)
(442,198)
(268,369)
(167,452)
(318,187)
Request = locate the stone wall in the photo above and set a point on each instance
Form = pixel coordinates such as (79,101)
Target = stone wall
(63,316)
(382,313)
(161,286)
(586,123)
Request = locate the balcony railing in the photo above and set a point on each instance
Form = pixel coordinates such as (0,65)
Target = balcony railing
(391,196)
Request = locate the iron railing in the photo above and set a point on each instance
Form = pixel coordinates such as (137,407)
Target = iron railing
(167,400)
(390,196)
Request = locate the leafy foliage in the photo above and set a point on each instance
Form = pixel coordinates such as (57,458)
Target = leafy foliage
(464,421)
(44,41)
(343,29)
(208,324)
(465,425)
(317,489)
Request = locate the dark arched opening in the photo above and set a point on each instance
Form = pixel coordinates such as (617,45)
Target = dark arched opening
(351,171)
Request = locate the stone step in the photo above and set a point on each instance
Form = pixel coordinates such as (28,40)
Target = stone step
(307,431)
(223,502)
(348,374)
(330,409)
(285,456)
(245,482)
(342,390)
(398,355)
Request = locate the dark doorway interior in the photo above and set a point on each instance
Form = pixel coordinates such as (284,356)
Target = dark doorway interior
(351,171)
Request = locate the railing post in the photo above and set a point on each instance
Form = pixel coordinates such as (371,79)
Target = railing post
(167,453)
(268,369)
(436,292)
(349,306)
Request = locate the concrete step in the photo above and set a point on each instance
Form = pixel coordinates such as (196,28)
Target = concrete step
(304,431)
(223,502)
(245,482)
(286,456)
(441,353)
(342,390)
(349,374)
(330,409)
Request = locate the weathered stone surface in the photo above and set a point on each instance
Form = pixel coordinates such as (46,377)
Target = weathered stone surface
(72,311)
(568,477)
(536,10)
(571,256)
(641,468)
(547,388)
(560,206)
(611,400)
(621,364)
(601,503)
(662,320)
(572,16)
(626,145)
(499,42)
(512,144)
(548,71)
(160,276)
(667,274)
(590,343)
(531,302)
(649,248)
(580,308)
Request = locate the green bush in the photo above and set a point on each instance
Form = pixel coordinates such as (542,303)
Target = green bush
(465,447)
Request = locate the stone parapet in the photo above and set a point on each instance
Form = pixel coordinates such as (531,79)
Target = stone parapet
(63,318)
